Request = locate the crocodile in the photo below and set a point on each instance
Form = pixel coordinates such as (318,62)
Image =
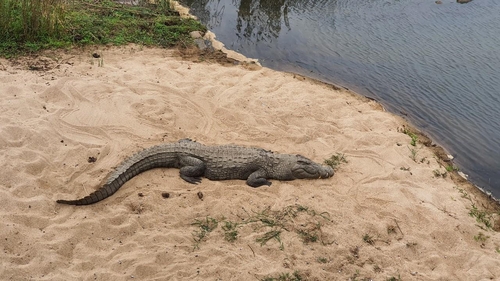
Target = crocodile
(223,162)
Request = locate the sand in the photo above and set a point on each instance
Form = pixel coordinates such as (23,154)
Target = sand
(382,215)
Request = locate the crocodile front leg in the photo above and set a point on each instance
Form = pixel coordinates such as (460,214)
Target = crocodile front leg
(192,169)
(258,178)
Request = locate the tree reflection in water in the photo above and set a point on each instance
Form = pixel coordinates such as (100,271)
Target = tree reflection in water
(257,20)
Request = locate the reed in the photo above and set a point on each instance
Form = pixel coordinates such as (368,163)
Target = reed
(31,20)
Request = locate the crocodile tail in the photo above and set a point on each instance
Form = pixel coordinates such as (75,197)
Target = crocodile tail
(102,193)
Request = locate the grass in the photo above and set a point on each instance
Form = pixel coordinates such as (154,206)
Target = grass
(413,154)
(295,276)
(480,237)
(336,160)
(230,231)
(27,26)
(322,260)
(205,226)
(368,239)
(481,216)
(413,136)
(452,168)
(303,221)
(438,174)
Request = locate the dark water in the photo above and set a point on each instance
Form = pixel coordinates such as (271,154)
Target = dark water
(437,64)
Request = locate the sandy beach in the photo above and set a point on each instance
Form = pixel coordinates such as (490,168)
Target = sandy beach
(67,119)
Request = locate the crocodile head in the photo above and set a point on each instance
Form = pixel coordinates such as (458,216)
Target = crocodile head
(304,168)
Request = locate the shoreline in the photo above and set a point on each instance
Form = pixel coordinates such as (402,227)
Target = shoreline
(493,203)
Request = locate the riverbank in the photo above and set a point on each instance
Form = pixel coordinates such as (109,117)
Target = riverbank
(391,211)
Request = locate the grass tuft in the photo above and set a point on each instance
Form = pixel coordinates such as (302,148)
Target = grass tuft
(205,226)
(336,160)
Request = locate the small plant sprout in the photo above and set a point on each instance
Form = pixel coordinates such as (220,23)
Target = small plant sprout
(437,173)
(325,260)
(368,239)
(480,237)
(413,136)
(452,168)
(206,226)
(481,216)
(391,229)
(230,231)
(336,160)
(413,153)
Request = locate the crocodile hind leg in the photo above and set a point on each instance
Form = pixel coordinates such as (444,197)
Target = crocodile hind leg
(258,178)
(192,169)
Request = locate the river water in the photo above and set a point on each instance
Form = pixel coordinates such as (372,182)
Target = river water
(436,64)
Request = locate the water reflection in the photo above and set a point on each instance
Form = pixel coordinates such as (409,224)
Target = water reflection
(257,20)
(261,20)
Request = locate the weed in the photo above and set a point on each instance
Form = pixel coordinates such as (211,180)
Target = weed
(336,160)
(394,278)
(230,231)
(391,229)
(136,208)
(354,251)
(322,260)
(368,239)
(437,173)
(307,236)
(411,245)
(303,221)
(481,216)
(404,169)
(206,227)
(424,159)
(452,168)
(413,154)
(413,136)
(480,237)
(273,234)
(414,139)
(296,276)
(377,268)
(464,193)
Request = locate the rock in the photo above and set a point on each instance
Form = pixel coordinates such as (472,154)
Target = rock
(204,44)
(195,34)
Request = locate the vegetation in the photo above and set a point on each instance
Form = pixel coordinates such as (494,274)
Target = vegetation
(336,160)
(30,25)
(205,226)
(413,136)
(270,225)
(368,239)
(296,276)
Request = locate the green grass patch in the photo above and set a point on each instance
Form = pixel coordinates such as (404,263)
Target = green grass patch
(480,237)
(295,276)
(269,226)
(481,216)
(413,136)
(230,231)
(28,26)
(204,227)
(336,160)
